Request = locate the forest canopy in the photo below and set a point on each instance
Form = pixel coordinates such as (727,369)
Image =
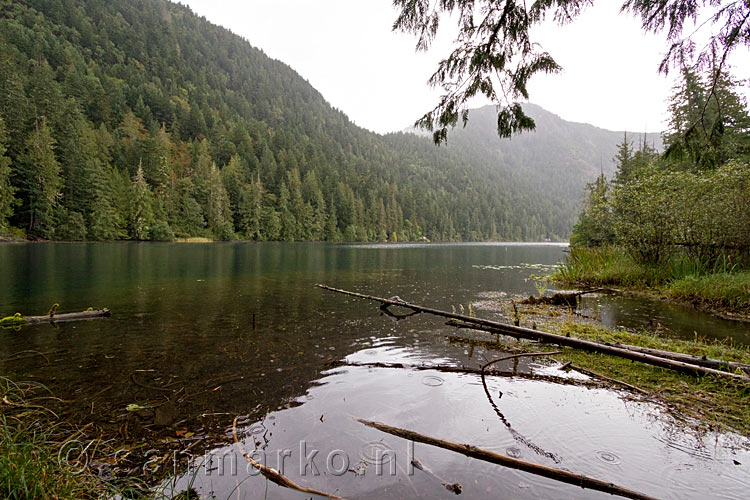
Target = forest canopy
(137,119)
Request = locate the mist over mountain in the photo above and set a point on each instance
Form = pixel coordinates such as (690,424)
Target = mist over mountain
(138,119)
(556,160)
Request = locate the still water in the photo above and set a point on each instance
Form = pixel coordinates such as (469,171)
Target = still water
(204,333)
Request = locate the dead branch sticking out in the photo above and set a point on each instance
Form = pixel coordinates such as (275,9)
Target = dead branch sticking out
(452,487)
(514,463)
(516,435)
(274,475)
(551,338)
(592,373)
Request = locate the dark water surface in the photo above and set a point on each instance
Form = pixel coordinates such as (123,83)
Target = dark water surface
(183,344)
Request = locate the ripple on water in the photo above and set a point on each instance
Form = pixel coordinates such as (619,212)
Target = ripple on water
(513,451)
(608,457)
(376,452)
(432,380)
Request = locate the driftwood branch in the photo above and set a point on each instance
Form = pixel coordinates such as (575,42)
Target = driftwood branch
(592,373)
(274,475)
(687,358)
(514,463)
(59,318)
(551,338)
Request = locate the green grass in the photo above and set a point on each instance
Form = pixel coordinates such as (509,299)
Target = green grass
(720,290)
(30,440)
(719,284)
(37,461)
(30,469)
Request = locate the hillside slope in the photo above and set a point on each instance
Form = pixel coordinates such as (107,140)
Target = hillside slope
(137,119)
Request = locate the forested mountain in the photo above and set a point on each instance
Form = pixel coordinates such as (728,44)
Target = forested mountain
(137,119)
(555,161)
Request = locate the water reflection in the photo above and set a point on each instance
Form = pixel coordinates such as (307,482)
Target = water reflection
(592,431)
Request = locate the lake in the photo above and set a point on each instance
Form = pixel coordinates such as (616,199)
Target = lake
(204,333)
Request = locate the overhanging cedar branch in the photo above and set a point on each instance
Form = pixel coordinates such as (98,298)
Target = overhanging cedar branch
(550,338)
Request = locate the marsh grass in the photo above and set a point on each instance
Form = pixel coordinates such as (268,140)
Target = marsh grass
(720,283)
(31,437)
(722,290)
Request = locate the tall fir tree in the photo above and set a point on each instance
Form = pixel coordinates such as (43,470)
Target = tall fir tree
(141,213)
(39,181)
(7,191)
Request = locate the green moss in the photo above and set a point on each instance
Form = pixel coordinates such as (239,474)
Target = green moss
(12,321)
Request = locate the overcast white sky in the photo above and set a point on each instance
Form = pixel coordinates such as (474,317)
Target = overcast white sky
(347,51)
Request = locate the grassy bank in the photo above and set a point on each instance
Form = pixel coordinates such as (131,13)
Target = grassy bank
(717,285)
(43,457)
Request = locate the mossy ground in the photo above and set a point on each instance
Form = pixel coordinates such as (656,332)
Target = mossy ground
(715,403)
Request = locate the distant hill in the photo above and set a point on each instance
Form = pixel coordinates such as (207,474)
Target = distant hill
(555,161)
(137,119)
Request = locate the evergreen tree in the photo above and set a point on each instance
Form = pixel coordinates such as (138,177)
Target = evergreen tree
(7,192)
(218,211)
(595,222)
(39,181)
(250,210)
(141,215)
(624,160)
(709,122)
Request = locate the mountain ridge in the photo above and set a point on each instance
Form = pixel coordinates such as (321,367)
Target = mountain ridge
(158,123)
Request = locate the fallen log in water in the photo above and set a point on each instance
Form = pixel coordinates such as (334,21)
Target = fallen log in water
(687,358)
(473,371)
(59,318)
(514,463)
(676,356)
(550,338)
(19,320)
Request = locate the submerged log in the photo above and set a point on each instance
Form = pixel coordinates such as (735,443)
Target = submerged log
(550,338)
(514,463)
(472,371)
(59,318)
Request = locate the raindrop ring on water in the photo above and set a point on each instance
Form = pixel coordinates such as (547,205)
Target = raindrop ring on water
(608,457)
(432,380)
(376,452)
(256,429)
